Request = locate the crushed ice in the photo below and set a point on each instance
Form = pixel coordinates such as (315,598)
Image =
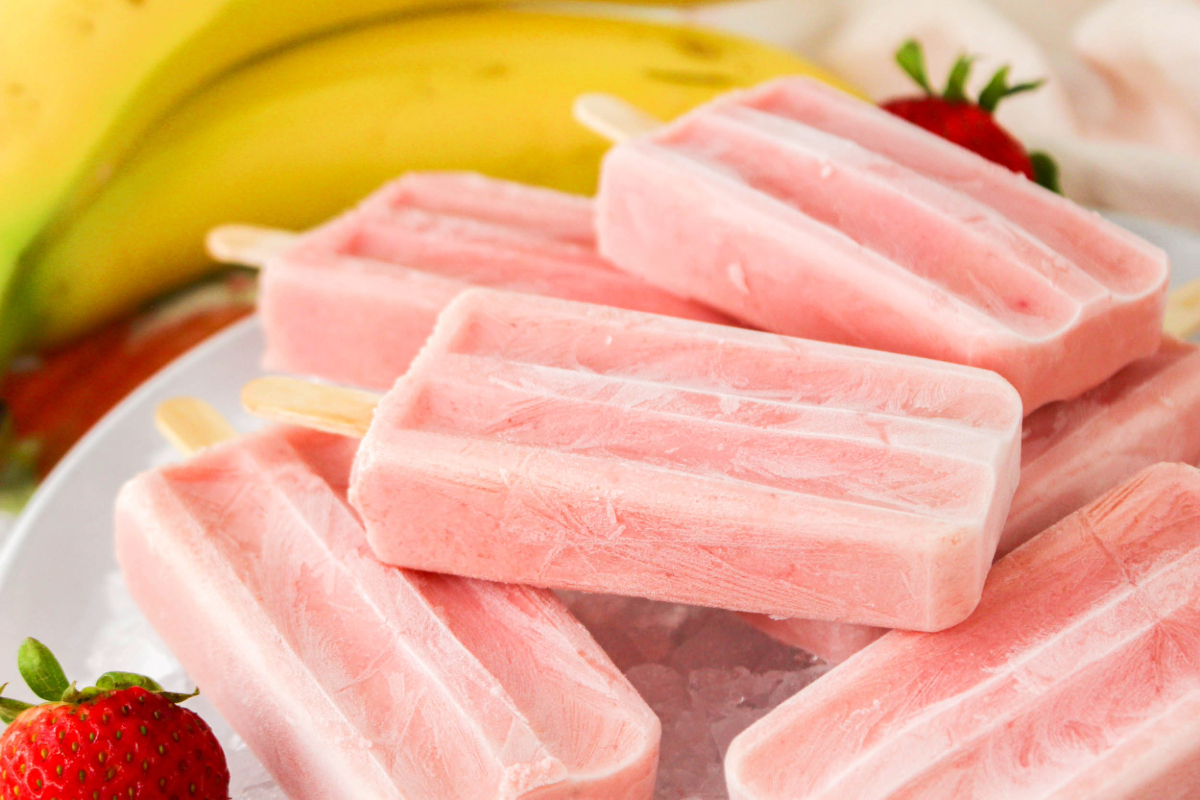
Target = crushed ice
(704,672)
(125,638)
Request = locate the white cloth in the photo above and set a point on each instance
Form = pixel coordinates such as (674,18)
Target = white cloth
(863,51)
(1120,111)
(1148,54)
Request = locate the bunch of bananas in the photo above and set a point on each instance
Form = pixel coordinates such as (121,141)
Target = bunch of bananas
(129,127)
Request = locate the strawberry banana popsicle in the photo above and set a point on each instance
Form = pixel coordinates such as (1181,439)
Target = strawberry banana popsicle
(802,210)
(1077,677)
(576,446)
(353,300)
(352,679)
(1071,453)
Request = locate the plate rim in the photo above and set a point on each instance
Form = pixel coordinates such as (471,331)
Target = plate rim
(47,492)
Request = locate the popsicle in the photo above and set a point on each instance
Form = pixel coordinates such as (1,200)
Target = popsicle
(1071,453)
(1077,677)
(577,446)
(352,679)
(802,210)
(353,300)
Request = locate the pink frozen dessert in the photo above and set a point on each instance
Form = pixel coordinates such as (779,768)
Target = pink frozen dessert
(570,445)
(353,300)
(351,679)
(802,210)
(1071,453)
(1078,677)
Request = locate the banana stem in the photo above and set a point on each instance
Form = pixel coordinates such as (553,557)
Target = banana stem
(1183,311)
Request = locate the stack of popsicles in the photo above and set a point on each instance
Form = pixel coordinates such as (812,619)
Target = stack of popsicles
(354,300)
(589,423)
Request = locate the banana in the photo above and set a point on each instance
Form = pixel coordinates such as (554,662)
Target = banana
(80,80)
(291,139)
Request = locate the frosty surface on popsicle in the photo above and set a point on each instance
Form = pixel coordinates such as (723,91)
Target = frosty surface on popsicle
(577,446)
(1078,677)
(802,210)
(1071,453)
(353,300)
(1075,450)
(352,679)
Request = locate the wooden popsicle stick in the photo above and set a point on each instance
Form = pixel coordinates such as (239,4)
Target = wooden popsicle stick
(190,424)
(613,118)
(252,246)
(349,412)
(1183,311)
(312,405)
(617,120)
(248,245)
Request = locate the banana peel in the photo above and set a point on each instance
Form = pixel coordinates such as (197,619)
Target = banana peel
(293,138)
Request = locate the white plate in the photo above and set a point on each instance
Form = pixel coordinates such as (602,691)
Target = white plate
(57,571)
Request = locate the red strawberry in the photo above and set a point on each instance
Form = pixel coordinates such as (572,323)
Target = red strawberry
(122,738)
(954,116)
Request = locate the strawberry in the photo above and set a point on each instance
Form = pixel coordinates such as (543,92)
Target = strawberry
(971,124)
(122,738)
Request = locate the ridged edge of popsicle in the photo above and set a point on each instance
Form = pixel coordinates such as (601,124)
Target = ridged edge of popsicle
(1029,364)
(136,500)
(1127,556)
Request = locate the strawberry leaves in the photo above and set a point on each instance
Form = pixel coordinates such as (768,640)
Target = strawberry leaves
(46,679)
(956,84)
(952,114)
(911,59)
(10,709)
(41,670)
(998,89)
(1045,171)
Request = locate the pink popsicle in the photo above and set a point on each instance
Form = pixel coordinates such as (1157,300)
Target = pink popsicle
(354,299)
(1077,678)
(802,210)
(570,445)
(1071,453)
(351,679)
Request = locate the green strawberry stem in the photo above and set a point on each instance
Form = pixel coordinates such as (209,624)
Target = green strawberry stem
(110,681)
(911,58)
(44,675)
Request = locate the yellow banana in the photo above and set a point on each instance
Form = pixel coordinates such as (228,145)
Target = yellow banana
(291,139)
(80,80)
